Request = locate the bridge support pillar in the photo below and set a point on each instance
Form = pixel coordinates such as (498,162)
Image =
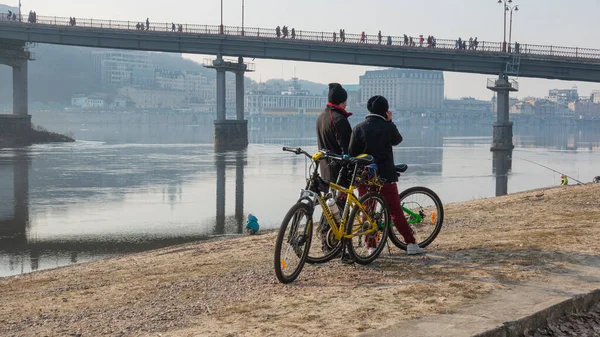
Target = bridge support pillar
(230,134)
(501,166)
(15,55)
(20,85)
(502,139)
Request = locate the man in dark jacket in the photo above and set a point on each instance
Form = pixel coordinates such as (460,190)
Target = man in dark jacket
(376,136)
(334,131)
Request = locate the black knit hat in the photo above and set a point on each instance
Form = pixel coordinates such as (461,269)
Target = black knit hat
(378,105)
(337,94)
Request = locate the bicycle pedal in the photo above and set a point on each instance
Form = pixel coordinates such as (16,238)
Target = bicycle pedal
(347,260)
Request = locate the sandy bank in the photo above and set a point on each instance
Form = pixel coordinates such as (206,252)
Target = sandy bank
(227,286)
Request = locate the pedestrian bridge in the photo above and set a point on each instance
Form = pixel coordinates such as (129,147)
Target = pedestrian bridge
(537,61)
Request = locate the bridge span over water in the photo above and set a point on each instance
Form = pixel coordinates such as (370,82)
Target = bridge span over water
(538,61)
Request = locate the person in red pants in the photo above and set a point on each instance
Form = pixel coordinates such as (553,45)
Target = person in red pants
(376,136)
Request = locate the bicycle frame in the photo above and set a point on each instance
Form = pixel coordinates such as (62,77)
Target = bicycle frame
(351,202)
(312,194)
(417,218)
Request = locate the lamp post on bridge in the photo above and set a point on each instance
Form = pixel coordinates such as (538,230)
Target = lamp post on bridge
(504,9)
(221,26)
(516,9)
(242,17)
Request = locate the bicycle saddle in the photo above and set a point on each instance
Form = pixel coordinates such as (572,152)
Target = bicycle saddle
(401,168)
(363,159)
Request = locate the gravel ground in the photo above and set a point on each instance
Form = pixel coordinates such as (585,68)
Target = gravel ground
(580,324)
(227,287)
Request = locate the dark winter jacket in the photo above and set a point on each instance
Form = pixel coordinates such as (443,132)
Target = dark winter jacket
(376,136)
(333,134)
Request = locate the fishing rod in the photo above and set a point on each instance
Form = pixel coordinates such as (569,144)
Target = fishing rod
(551,169)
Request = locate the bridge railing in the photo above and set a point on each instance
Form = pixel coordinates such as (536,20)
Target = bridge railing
(323,37)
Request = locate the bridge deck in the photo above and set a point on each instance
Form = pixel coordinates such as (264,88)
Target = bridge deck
(553,62)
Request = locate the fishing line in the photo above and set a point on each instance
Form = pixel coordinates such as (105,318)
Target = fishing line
(549,168)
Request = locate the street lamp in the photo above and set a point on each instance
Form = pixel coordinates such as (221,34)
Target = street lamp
(516,9)
(242,17)
(221,26)
(504,10)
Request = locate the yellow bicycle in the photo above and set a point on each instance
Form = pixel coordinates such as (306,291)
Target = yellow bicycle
(361,229)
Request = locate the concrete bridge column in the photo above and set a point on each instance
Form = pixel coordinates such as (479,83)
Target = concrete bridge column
(221,90)
(502,139)
(20,85)
(230,134)
(501,166)
(239,95)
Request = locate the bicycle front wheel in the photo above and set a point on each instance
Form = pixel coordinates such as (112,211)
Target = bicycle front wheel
(365,248)
(293,243)
(424,212)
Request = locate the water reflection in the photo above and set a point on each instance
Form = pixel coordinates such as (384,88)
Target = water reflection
(14,216)
(52,243)
(222,160)
(501,167)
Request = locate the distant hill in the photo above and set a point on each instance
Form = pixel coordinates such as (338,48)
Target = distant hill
(59,72)
(5,8)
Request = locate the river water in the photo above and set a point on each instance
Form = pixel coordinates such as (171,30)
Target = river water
(127,187)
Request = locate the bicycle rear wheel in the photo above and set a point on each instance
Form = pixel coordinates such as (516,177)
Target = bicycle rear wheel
(293,243)
(424,212)
(364,249)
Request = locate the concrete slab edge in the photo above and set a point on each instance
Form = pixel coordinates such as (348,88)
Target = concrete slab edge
(539,319)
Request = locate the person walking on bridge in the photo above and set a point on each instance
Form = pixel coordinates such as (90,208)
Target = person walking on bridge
(379,37)
(293,33)
(147,23)
(172,26)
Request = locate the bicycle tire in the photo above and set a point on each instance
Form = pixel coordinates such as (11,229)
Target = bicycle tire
(397,239)
(384,232)
(280,264)
(313,258)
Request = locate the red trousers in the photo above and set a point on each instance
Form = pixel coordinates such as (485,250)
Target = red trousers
(390,193)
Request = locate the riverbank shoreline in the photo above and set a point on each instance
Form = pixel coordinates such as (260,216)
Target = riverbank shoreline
(490,251)
(33,136)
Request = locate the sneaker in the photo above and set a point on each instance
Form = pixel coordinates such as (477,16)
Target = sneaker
(414,249)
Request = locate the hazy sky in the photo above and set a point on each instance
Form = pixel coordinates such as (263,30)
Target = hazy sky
(550,22)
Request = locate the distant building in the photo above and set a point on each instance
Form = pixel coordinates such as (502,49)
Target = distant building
(195,84)
(87,102)
(587,110)
(523,107)
(121,68)
(545,107)
(405,88)
(142,98)
(595,97)
(170,79)
(261,100)
(354,96)
(562,97)
(467,104)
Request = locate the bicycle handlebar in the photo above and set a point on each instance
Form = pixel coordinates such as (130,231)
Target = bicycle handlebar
(296,151)
(344,159)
